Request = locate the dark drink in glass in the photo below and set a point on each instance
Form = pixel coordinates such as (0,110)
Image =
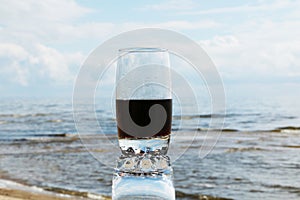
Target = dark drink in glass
(143,82)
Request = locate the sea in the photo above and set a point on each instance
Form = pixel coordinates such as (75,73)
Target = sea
(255,154)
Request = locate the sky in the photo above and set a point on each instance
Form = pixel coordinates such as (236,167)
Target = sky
(254,44)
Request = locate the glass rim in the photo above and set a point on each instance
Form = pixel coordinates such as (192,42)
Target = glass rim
(142,49)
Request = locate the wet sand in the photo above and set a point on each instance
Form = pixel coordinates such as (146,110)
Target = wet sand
(12,194)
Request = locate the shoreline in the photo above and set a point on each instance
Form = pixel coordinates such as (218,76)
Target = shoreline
(11,190)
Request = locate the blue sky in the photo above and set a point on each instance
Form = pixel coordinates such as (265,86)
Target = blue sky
(254,44)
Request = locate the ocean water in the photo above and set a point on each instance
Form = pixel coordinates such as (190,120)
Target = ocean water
(257,155)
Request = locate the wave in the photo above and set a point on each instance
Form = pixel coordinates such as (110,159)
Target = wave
(216,115)
(50,135)
(292,146)
(206,129)
(187,117)
(232,150)
(226,130)
(58,137)
(54,121)
(76,193)
(25,115)
(287,129)
(183,196)
(290,189)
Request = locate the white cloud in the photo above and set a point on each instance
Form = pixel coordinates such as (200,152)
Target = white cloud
(22,65)
(27,29)
(47,22)
(20,73)
(31,30)
(11,57)
(263,48)
(55,64)
(13,50)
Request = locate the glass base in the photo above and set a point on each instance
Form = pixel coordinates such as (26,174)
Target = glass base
(143,177)
(154,146)
(137,187)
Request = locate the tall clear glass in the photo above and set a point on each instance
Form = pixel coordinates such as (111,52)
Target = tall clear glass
(143,101)
(144,118)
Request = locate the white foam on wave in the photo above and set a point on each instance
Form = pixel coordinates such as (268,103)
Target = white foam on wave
(96,196)
(18,186)
(290,131)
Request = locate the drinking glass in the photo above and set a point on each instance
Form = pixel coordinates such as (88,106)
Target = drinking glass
(144,117)
(143,101)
